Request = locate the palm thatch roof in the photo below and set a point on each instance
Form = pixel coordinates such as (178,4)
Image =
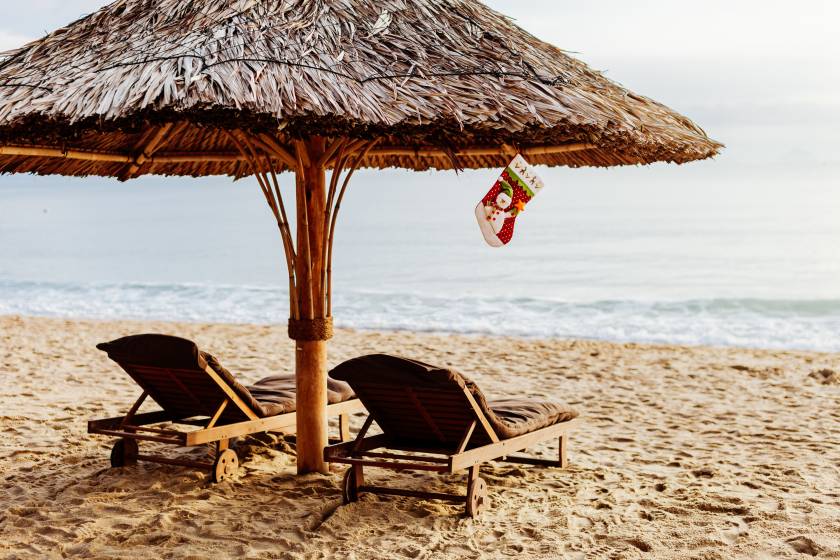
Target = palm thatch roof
(443,83)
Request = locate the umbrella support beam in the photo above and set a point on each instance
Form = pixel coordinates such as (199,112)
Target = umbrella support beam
(311,379)
(308,255)
(311,354)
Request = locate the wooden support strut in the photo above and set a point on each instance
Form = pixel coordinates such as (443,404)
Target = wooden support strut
(147,149)
(311,355)
(277,152)
(274,198)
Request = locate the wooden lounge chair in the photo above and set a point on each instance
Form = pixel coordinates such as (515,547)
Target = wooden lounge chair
(439,421)
(193,389)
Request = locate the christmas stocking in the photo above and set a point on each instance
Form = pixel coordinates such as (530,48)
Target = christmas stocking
(497,211)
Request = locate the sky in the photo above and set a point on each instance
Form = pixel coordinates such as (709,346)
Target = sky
(759,75)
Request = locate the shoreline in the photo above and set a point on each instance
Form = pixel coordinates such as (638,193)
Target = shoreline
(684,452)
(433,333)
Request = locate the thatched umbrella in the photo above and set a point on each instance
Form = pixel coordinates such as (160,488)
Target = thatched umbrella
(259,87)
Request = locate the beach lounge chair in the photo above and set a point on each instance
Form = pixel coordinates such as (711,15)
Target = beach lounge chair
(193,389)
(434,419)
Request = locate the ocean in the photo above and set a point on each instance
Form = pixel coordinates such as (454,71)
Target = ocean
(707,253)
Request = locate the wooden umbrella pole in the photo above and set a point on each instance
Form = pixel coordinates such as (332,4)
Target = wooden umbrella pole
(356,163)
(305,278)
(310,346)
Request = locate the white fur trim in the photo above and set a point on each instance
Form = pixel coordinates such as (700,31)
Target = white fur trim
(486,227)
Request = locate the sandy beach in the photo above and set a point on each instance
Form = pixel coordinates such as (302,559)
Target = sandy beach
(686,452)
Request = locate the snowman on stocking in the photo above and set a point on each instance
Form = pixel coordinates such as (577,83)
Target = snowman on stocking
(497,211)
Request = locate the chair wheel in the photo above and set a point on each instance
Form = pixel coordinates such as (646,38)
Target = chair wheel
(349,492)
(476,497)
(225,466)
(124,453)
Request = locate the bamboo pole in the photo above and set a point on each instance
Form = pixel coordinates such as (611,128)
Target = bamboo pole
(83,155)
(330,152)
(311,355)
(275,203)
(328,288)
(303,264)
(338,168)
(146,150)
(277,150)
(479,151)
(288,246)
(193,157)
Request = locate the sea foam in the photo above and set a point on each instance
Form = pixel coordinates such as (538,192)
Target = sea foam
(793,324)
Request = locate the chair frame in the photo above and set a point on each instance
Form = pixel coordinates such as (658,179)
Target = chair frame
(363,451)
(133,428)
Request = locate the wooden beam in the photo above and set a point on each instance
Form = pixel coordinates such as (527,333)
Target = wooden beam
(176,462)
(457,498)
(190,157)
(344,427)
(479,415)
(349,448)
(330,152)
(138,420)
(218,414)
(397,465)
(506,447)
(134,408)
(282,423)
(146,150)
(36,151)
(132,435)
(382,151)
(231,395)
(467,435)
(278,151)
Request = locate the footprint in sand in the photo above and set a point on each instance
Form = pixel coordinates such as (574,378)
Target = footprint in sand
(704,472)
(653,515)
(579,523)
(640,544)
(825,377)
(804,545)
